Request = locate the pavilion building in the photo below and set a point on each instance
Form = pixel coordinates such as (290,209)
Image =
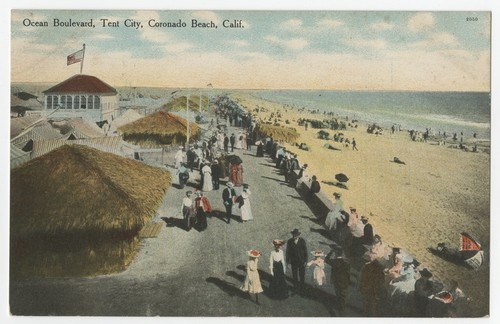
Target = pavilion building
(82,96)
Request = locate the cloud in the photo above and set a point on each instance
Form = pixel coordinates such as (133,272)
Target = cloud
(442,39)
(330,23)
(291,24)
(376,44)
(382,26)
(421,22)
(155,35)
(239,43)
(206,16)
(103,36)
(291,44)
(178,47)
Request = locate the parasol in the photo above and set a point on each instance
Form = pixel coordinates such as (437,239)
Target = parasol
(341,177)
(234,159)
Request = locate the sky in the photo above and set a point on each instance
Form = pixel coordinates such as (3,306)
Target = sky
(334,50)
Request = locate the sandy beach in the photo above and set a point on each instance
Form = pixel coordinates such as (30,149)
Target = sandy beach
(439,192)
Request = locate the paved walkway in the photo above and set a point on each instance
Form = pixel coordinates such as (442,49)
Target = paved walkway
(195,273)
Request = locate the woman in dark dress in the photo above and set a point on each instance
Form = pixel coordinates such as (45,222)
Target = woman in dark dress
(260,150)
(202,207)
(278,288)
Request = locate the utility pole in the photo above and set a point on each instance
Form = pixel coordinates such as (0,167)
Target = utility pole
(200,102)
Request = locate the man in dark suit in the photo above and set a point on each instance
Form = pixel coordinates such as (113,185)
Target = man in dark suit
(232,140)
(215,174)
(341,276)
(367,231)
(296,256)
(226,143)
(227,196)
(315,187)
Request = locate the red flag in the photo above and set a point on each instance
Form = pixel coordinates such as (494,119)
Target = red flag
(75,57)
(467,243)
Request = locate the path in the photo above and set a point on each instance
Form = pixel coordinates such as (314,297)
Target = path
(194,273)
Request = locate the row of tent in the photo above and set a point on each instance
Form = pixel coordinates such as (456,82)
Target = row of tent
(33,136)
(78,197)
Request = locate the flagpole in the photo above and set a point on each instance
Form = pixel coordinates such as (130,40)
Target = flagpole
(83,58)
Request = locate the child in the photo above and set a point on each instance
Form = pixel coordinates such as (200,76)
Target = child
(318,265)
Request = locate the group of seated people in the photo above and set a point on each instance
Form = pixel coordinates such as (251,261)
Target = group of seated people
(401,270)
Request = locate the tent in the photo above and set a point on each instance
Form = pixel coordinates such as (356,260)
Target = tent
(160,128)
(77,210)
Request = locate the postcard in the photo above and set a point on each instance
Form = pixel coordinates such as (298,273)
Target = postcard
(250,163)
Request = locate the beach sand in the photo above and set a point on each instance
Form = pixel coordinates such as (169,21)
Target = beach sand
(437,194)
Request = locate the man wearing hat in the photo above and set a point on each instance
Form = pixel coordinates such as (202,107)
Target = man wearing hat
(215,174)
(232,140)
(367,237)
(423,292)
(187,210)
(296,256)
(315,186)
(226,143)
(341,275)
(371,286)
(227,196)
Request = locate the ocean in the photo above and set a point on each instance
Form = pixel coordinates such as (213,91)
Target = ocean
(450,112)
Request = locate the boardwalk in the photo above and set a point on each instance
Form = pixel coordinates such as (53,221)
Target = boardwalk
(195,273)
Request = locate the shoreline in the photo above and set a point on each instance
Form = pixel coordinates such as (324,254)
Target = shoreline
(342,112)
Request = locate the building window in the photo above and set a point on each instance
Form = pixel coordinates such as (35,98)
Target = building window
(56,102)
(90,102)
(83,102)
(49,102)
(69,102)
(77,102)
(63,102)
(97,102)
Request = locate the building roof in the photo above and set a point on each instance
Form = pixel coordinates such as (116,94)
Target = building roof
(18,125)
(110,144)
(127,117)
(162,123)
(79,127)
(43,130)
(76,188)
(18,156)
(25,95)
(82,83)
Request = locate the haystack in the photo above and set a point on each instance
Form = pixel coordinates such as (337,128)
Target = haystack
(278,133)
(77,210)
(158,129)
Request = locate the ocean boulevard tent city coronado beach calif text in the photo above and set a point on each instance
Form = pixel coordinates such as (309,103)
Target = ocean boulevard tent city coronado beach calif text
(131,23)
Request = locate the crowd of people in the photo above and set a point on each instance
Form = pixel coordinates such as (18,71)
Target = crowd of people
(389,277)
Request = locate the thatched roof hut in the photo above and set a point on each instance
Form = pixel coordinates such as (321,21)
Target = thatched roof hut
(77,200)
(160,128)
(75,188)
(179,103)
(278,133)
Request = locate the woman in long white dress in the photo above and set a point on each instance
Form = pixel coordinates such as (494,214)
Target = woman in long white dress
(246,209)
(239,140)
(334,214)
(252,283)
(207,177)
